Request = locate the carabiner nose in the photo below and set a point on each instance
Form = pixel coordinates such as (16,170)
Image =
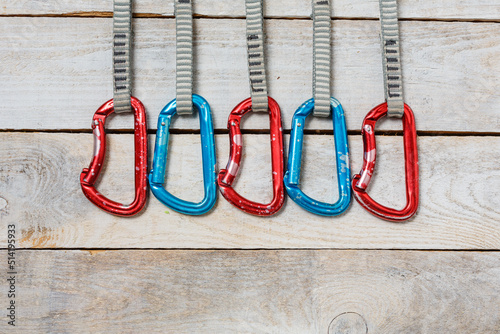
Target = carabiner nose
(362,180)
(292,175)
(157,174)
(227,176)
(89,175)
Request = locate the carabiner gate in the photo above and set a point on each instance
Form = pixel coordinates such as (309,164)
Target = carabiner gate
(227,176)
(292,175)
(361,181)
(89,175)
(157,174)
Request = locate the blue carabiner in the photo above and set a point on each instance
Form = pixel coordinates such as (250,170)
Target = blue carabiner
(292,175)
(157,174)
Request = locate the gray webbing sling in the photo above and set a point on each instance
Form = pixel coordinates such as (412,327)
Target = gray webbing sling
(122,18)
(321,57)
(391,59)
(256,61)
(184,56)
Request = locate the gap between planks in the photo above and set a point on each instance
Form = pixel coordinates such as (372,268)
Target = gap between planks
(264,131)
(226,17)
(97,249)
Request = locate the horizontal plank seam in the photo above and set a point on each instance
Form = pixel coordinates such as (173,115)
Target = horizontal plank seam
(475,250)
(225,17)
(321,132)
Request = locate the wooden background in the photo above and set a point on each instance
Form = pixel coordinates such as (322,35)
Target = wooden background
(84,271)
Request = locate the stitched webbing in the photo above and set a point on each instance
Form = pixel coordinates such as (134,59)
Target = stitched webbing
(393,82)
(184,56)
(122,17)
(255,47)
(321,56)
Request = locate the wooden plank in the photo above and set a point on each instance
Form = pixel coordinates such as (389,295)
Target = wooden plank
(445,9)
(257,292)
(55,72)
(40,191)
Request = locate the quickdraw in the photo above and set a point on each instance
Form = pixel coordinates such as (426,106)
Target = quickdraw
(394,107)
(122,102)
(227,176)
(259,102)
(183,104)
(157,174)
(321,105)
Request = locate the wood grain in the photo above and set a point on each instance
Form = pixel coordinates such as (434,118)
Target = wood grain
(445,9)
(257,292)
(55,72)
(459,193)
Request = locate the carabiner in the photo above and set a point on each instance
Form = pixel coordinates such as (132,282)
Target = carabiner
(89,175)
(361,181)
(227,176)
(292,175)
(157,174)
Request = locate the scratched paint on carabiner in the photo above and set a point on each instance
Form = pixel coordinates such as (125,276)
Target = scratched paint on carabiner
(97,140)
(366,176)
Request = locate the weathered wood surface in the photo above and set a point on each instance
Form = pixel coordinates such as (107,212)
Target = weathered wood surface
(55,72)
(40,191)
(444,9)
(292,292)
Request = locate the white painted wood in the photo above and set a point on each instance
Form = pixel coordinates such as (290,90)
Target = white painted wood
(40,191)
(445,9)
(292,292)
(55,72)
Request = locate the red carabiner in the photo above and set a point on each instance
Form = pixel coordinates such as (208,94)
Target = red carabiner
(89,175)
(226,176)
(360,182)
